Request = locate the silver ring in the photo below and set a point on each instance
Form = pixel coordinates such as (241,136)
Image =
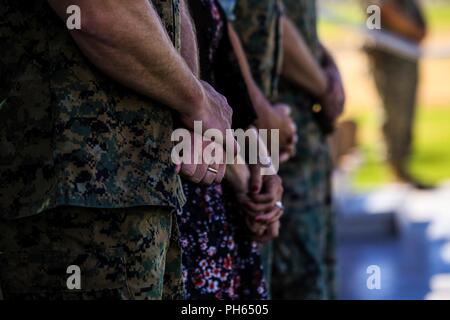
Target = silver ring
(279,205)
(212,170)
(266,162)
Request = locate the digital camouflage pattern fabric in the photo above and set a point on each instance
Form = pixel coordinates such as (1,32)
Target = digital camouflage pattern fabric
(304,252)
(122,254)
(258,24)
(69,135)
(77,150)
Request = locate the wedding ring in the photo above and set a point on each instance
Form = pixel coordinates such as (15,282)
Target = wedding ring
(266,162)
(279,205)
(212,170)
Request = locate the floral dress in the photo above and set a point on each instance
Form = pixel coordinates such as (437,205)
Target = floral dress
(219,259)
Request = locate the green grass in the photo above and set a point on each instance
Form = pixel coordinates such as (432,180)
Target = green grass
(438,16)
(350,11)
(431,159)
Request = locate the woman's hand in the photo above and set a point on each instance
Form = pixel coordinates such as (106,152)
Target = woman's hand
(263,205)
(259,195)
(270,233)
(278,117)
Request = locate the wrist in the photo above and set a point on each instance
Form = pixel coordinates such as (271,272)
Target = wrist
(238,176)
(195,102)
(267,117)
(325,85)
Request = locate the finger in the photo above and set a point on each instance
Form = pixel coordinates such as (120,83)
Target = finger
(257,229)
(258,208)
(251,213)
(188,170)
(274,229)
(277,217)
(231,144)
(293,127)
(263,198)
(288,140)
(248,211)
(271,217)
(200,173)
(274,186)
(284,108)
(273,190)
(284,157)
(210,176)
(290,129)
(256,179)
(264,238)
(221,174)
(290,149)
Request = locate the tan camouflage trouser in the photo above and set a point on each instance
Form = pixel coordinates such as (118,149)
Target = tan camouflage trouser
(121,254)
(396,80)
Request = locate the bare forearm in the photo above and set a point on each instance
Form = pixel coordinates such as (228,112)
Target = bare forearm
(299,65)
(260,103)
(189,48)
(126,40)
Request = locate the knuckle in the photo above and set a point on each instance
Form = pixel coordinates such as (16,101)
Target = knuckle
(188,171)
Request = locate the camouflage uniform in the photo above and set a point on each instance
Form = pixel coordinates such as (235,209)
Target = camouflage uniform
(304,251)
(258,24)
(72,138)
(122,254)
(396,79)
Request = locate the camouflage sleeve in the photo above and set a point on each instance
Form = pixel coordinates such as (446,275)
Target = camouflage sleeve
(228,7)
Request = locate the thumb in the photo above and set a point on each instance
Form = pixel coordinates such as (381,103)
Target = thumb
(284,157)
(255,179)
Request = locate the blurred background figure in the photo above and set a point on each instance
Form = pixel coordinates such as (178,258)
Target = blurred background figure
(396,77)
(392,232)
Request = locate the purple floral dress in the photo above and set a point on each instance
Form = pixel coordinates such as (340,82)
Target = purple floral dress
(219,259)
